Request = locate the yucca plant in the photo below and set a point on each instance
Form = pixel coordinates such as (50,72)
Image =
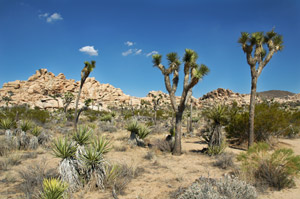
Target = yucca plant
(26,125)
(36,131)
(68,167)
(53,189)
(102,145)
(94,166)
(82,135)
(143,131)
(63,148)
(6,123)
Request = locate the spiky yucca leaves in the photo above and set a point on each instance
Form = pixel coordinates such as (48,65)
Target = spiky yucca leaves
(26,125)
(143,131)
(102,145)
(36,131)
(68,167)
(94,167)
(82,135)
(133,127)
(6,123)
(63,148)
(53,189)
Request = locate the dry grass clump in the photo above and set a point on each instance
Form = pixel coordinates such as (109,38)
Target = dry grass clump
(119,175)
(225,160)
(10,160)
(32,179)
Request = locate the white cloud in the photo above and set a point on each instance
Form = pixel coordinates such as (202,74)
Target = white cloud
(152,53)
(54,17)
(138,51)
(128,52)
(129,43)
(43,15)
(51,18)
(90,50)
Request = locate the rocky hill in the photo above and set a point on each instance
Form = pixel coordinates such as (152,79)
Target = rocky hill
(275,94)
(37,91)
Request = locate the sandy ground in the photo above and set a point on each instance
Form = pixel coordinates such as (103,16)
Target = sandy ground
(162,174)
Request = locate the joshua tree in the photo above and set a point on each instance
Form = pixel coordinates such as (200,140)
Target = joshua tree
(258,56)
(192,74)
(87,103)
(156,102)
(67,99)
(88,68)
(7,99)
(55,96)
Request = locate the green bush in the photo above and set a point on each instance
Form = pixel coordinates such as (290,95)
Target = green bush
(62,148)
(277,169)
(82,135)
(36,131)
(6,123)
(270,120)
(106,118)
(26,125)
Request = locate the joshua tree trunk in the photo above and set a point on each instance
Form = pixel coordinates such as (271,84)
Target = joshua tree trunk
(76,107)
(190,126)
(251,111)
(178,123)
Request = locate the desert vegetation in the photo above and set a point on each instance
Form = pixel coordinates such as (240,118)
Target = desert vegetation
(156,148)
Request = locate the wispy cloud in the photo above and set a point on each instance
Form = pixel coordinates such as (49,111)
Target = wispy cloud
(138,51)
(129,43)
(151,53)
(90,50)
(51,18)
(128,52)
(134,51)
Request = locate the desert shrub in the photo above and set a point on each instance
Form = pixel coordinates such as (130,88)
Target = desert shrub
(143,131)
(32,179)
(225,160)
(164,145)
(26,125)
(6,123)
(137,130)
(82,135)
(40,116)
(133,126)
(5,147)
(10,160)
(36,131)
(149,155)
(277,169)
(270,120)
(224,188)
(53,189)
(106,118)
(107,127)
(119,176)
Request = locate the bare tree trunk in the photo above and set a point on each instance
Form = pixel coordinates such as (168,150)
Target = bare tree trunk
(155,115)
(177,146)
(252,112)
(76,107)
(190,129)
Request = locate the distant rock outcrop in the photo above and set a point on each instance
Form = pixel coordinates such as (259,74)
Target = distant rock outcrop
(37,91)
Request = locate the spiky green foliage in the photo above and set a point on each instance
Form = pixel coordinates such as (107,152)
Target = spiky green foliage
(217,150)
(277,169)
(156,59)
(190,56)
(102,145)
(143,131)
(106,118)
(36,131)
(92,157)
(26,125)
(82,135)
(53,189)
(63,148)
(244,38)
(133,127)
(217,114)
(6,123)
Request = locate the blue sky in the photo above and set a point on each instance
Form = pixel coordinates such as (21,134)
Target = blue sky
(119,34)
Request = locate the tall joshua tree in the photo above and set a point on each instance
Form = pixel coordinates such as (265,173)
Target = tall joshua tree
(88,68)
(259,49)
(192,74)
